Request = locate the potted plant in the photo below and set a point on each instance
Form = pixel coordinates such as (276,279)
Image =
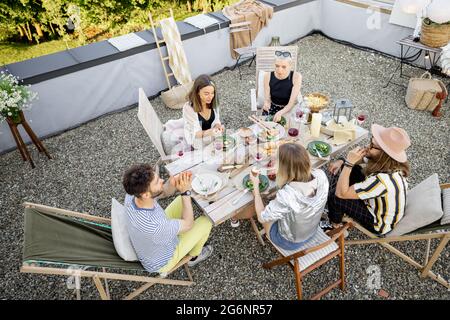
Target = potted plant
(436,25)
(14,98)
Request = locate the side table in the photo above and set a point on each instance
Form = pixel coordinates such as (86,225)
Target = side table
(13,126)
(411,51)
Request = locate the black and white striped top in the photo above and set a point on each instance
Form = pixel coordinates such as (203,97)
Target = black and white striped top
(385,197)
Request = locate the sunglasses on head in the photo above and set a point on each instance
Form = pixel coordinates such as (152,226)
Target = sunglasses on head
(283,54)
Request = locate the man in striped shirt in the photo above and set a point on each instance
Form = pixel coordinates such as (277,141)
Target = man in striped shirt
(375,197)
(162,238)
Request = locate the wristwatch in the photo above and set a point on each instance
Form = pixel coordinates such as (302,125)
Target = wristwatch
(186,193)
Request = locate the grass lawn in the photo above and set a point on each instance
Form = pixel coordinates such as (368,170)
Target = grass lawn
(15,52)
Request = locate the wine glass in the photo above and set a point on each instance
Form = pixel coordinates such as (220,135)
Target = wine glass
(180,149)
(293,132)
(361,117)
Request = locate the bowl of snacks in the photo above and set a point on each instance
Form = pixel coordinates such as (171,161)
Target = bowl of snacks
(247,135)
(316,101)
(276,132)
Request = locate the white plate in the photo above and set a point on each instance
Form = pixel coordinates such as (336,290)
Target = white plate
(206,183)
(270,124)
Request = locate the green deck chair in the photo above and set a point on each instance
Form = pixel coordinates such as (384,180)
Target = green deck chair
(62,242)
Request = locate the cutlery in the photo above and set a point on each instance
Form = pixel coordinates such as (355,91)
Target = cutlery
(260,123)
(204,189)
(317,151)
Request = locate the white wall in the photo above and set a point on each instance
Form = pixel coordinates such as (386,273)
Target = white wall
(360,26)
(75,98)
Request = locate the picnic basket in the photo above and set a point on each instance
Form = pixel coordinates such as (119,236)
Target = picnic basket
(176,97)
(424,93)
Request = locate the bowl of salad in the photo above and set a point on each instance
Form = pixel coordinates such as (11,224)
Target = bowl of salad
(263,183)
(322,147)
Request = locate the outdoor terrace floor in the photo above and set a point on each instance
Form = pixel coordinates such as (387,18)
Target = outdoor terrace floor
(89,161)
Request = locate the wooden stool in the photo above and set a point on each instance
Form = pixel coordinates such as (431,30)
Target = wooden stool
(19,141)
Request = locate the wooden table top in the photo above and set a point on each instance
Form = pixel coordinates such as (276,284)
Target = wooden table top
(220,207)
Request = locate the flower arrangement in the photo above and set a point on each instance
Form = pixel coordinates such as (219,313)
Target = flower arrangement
(14,97)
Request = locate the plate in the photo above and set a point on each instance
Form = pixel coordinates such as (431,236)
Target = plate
(282,121)
(323,147)
(228,142)
(263,182)
(245,132)
(206,184)
(262,134)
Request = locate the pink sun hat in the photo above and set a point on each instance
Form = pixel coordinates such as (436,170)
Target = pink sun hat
(394,141)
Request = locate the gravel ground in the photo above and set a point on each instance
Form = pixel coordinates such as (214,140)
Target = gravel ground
(89,161)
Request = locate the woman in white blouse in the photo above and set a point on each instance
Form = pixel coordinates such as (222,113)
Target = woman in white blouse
(200,114)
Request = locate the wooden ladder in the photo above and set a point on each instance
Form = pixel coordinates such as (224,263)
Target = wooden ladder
(163,58)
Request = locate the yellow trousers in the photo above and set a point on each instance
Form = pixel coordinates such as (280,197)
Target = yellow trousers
(190,242)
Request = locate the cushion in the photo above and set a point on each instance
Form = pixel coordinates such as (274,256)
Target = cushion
(309,259)
(167,141)
(120,235)
(423,206)
(260,89)
(446,206)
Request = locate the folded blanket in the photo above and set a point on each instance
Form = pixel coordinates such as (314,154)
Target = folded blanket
(252,11)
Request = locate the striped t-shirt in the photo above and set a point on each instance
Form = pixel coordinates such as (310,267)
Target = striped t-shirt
(152,234)
(385,198)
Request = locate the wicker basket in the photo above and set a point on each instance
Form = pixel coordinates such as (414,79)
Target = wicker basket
(435,35)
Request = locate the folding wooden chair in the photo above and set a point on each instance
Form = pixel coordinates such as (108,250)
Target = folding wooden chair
(265,61)
(433,231)
(66,243)
(244,52)
(320,249)
(152,125)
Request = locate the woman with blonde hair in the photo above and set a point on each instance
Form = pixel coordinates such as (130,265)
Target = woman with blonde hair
(293,217)
(281,87)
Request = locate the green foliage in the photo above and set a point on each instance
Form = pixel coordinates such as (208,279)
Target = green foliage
(13,96)
(430,22)
(41,21)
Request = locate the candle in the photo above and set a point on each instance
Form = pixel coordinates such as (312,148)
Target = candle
(315,124)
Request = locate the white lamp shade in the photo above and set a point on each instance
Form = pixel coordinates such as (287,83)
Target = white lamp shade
(439,11)
(413,6)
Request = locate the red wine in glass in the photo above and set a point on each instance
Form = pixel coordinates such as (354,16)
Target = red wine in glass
(293,132)
(361,118)
(299,114)
(180,153)
(272,176)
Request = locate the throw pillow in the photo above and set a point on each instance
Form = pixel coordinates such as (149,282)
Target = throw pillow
(423,207)
(121,237)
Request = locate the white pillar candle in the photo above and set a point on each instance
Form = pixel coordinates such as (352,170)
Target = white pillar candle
(315,124)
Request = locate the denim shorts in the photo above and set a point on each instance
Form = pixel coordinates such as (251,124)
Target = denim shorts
(281,242)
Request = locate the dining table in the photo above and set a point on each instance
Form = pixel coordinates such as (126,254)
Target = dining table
(231,198)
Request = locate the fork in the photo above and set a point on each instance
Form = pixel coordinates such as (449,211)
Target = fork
(201,183)
(317,151)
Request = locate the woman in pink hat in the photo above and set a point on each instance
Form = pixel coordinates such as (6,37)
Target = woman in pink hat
(376,195)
